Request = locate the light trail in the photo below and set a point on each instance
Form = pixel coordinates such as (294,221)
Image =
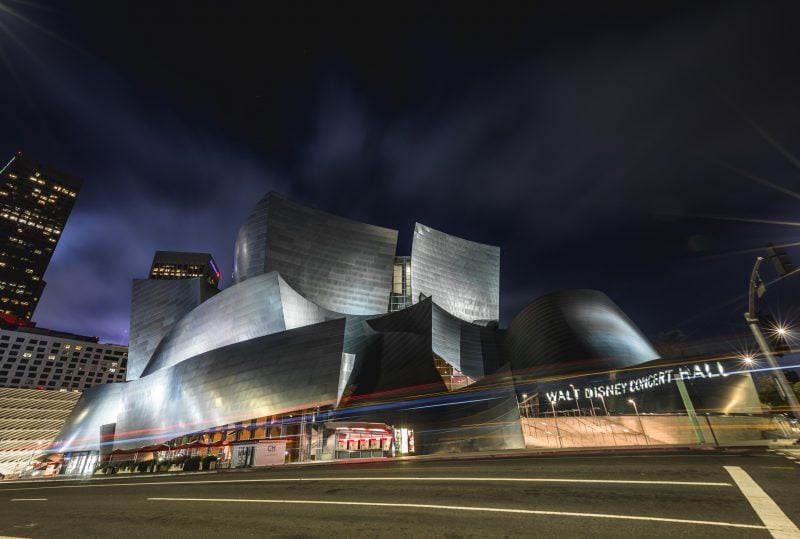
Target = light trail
(450,508)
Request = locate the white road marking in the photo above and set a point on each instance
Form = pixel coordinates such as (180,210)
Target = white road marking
(467,508)
(10,537)
(28,499)
(767,510)
(437,479)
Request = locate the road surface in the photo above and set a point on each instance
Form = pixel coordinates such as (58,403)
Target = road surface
(734,493)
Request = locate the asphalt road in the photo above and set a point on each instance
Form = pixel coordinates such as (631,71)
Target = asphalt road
(679,494)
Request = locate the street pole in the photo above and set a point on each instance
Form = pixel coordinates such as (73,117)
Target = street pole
(777,372)
(641,425)
(577,403)
(604,405)
(610,424)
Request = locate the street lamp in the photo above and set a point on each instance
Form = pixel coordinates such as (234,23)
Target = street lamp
(577,404)
(757,286)
(555,419)
(603,400)
(610,424)
(525,404)
(641,425)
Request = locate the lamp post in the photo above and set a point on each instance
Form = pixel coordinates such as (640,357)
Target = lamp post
(756,285)
(610,424)
(604,405)
(577,404)
(641,425)
(525,404)
(555,419)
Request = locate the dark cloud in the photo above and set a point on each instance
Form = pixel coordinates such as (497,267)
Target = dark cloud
(152,181)
(592,143)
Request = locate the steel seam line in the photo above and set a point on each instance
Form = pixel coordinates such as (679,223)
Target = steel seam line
(467,508)
(767,510)
(423,479)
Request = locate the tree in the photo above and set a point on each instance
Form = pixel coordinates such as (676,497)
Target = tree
(768,392)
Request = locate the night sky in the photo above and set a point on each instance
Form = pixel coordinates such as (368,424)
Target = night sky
(643,149)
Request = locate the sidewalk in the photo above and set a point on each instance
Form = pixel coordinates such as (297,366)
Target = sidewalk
(508,454)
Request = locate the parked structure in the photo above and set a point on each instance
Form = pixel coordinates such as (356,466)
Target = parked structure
(29,421)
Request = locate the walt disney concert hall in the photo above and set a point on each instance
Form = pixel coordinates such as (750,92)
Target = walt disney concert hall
(329,345)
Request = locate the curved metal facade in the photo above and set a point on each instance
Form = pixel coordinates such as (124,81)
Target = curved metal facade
(260,377)
(251,243)
(574,331)
(259,306)
(97,406)
(473,349)
(305,325)
(339,264)
(156,305)
(462,276)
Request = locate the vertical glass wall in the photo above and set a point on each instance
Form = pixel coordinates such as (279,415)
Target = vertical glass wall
(400,297)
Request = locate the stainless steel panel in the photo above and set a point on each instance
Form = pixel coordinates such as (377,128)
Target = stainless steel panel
(253,308)
(156,305)
(462,276)
(263,376)
(574,331)
(339,264)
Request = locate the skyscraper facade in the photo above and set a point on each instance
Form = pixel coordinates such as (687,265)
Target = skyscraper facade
(171,265)
(35,202)
(39,358)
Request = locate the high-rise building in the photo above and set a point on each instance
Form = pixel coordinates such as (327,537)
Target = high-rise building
(38,358)
(180,265)
(35,202)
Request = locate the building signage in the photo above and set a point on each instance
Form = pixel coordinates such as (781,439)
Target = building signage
(643,383)
(270,453)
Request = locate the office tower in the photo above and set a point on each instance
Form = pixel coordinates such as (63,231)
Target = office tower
(179,265)
(35,202)
(39,358)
